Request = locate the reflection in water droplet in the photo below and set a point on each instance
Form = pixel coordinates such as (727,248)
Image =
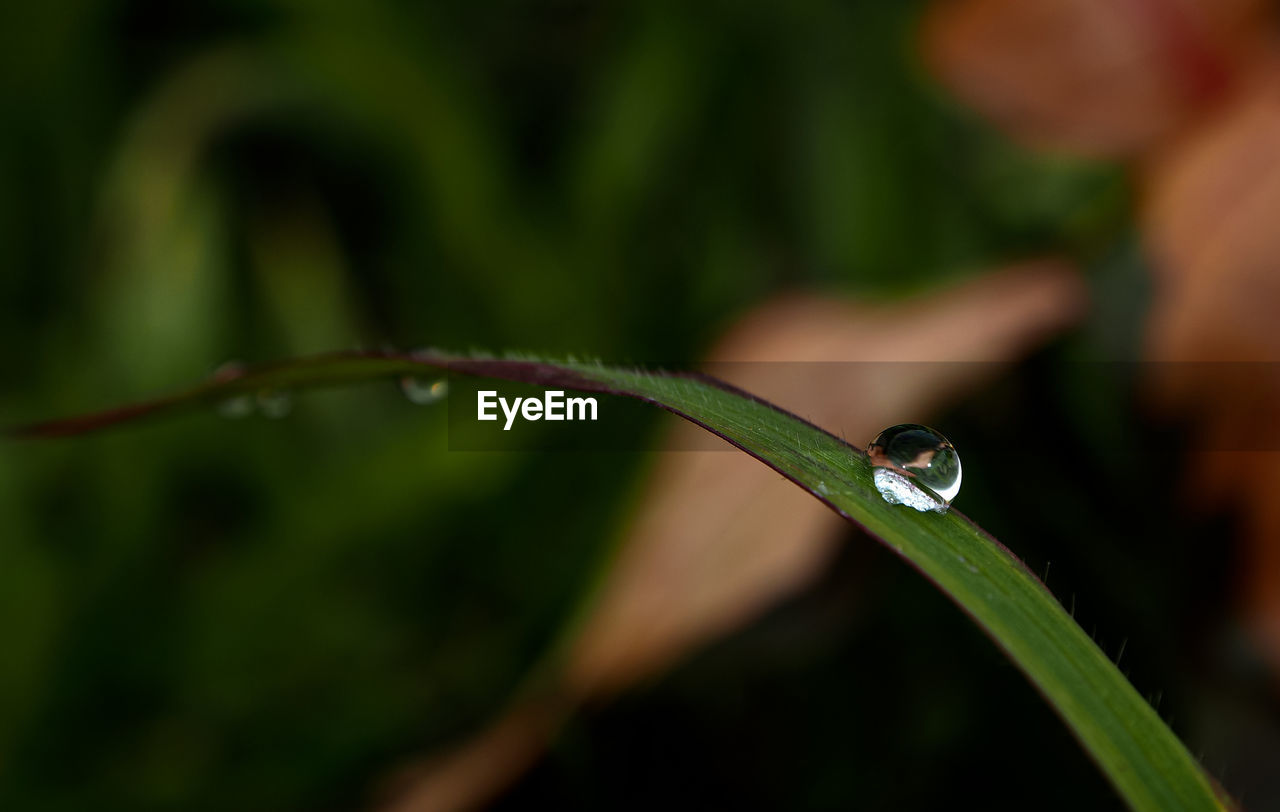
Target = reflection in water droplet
(236,407)
(422,391)
(274,403)
(915,466)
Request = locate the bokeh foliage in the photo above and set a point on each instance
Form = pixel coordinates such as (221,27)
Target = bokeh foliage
(273,614)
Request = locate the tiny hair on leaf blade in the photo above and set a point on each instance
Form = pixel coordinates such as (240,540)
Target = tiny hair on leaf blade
(1145,762)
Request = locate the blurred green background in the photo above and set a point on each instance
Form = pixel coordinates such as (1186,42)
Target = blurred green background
(253,614)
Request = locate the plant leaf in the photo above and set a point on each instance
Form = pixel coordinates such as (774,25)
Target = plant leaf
(1145,762)
(1209,227)
(1091,77)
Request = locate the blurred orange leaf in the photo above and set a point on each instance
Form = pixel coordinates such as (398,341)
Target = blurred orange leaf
(1094,77)
(1209,220)
(1209,214)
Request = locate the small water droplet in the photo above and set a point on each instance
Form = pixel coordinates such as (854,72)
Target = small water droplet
(274,403)
(236,407)
(423,391)
(915,466)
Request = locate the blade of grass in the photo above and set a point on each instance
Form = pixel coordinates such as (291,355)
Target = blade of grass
(1141,756)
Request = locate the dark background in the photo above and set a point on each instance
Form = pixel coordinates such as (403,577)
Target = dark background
(207,613)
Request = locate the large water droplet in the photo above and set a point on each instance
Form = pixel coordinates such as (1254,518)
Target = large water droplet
(423,391)
(274,403)
(915,466)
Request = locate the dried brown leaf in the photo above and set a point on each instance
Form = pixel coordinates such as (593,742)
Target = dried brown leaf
(1209,215)
(1210,226)
(1101,78)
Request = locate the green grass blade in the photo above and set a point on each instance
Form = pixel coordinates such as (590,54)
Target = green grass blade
(1143,759)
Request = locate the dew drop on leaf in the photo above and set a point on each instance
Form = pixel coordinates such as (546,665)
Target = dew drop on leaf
(422,391)
(915,466)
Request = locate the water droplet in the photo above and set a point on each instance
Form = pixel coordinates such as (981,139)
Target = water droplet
(236,407)
(915,466)
(423,391)
(274,403)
